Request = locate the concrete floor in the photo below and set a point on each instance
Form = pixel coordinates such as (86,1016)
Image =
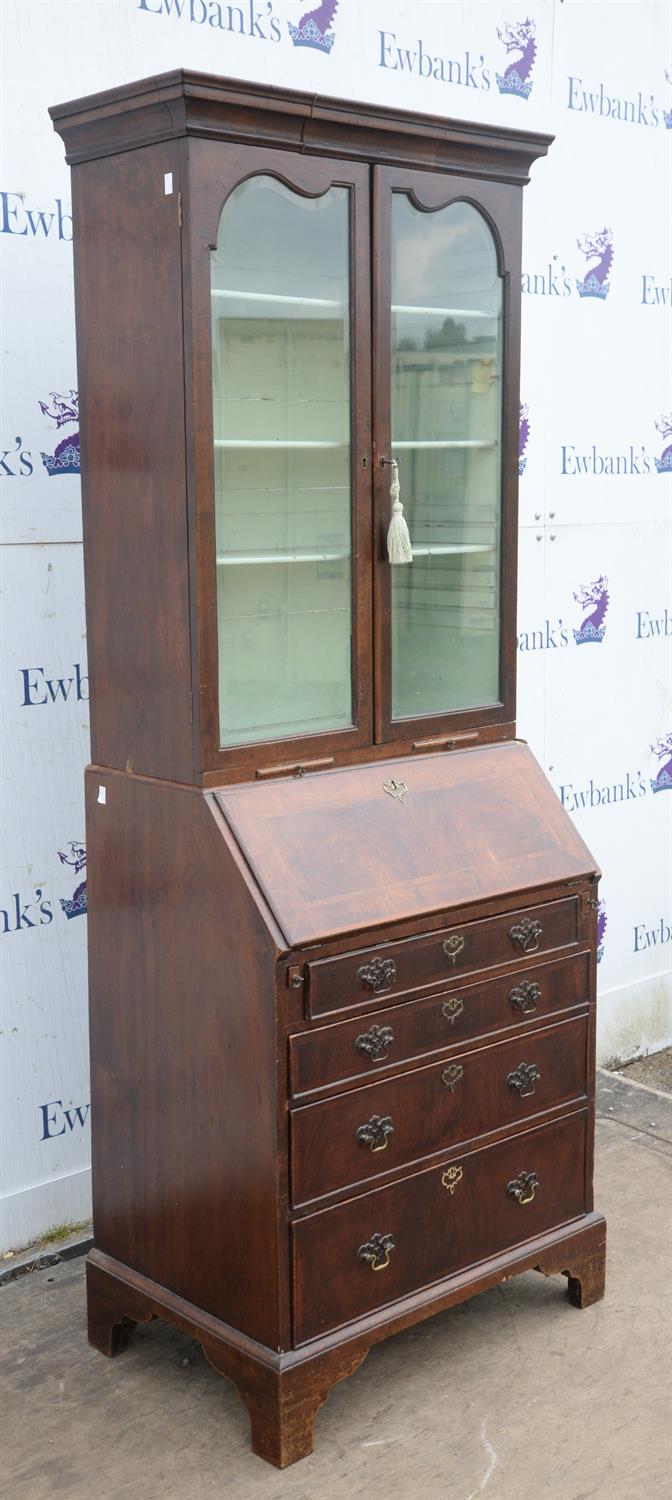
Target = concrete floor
(514,1395)
(654,1071)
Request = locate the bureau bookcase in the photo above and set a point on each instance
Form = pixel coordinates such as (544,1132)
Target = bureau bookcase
(342,934)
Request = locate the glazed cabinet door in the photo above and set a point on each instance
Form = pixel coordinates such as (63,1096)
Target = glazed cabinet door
(446,383)
(279,277)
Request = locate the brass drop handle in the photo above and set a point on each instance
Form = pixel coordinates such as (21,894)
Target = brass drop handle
(378,975)
(523,1187)
(376,1133)
(451,1076)
(452,1009)
(376,1252)
(524,1079)
(526,935)
(525,996)
(375,1043)
(453,946)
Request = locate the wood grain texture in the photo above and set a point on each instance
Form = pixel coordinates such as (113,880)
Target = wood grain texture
(353,1051)
(128,301)
(333,852)
(181,976)
(187,103)
(457,1098)
(435,1231)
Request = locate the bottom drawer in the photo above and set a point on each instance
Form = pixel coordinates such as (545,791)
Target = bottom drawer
(379,1247)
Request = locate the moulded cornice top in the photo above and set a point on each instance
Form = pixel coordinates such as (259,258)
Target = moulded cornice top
(183,103)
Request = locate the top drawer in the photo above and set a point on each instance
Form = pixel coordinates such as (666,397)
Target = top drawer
(392,970)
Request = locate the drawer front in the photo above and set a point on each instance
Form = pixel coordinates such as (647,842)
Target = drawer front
(367,1046)
(352,1259)
(350,1138)
(393,969)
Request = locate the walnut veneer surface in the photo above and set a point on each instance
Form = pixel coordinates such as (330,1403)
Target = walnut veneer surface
(342,1021)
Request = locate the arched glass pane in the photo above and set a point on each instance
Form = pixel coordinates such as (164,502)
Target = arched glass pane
(446,431)
(281,405)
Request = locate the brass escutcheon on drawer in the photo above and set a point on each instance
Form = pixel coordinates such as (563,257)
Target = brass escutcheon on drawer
(451,1076)
(453,947)
(451,1177)
(452,1009)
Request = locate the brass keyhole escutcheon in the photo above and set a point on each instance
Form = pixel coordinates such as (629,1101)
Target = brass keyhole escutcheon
(451,1076)
(451,1177)
(453,946)
(452,1009)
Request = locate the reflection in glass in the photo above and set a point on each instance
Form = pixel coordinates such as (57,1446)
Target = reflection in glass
(446,421)
(281,405)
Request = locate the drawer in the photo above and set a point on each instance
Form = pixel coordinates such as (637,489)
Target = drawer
(372,1250)
(350,1138)
(392,969)
(382,1039)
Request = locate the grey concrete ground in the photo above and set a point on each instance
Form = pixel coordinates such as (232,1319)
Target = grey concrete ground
(655,1071)
(512,1396)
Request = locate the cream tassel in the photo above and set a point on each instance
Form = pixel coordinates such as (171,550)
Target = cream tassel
(399,549)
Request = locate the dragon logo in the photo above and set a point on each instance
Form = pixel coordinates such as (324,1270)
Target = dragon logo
(595,282)
(74,855)
(601,929)
(65,459)
(664,463)
(516,77)
(593,599)
(667,113)
(662,748)
(523,435)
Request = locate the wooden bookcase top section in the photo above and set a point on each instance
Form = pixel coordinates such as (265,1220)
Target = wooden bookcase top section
(183,103)
(336,852)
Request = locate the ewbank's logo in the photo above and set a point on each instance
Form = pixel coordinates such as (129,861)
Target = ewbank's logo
(664,463)
(667,113)
(65,458)
(595,282)
(523,435)
(516,77)
(601,929)
(75,855)
(593,599)
(662,748)
(314,29)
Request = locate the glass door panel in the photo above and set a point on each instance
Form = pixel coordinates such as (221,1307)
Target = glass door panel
(446,404)
(281,410)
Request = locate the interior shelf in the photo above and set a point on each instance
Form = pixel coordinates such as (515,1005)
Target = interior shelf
(238,559)
(276,443)
(230,294)
(448,443)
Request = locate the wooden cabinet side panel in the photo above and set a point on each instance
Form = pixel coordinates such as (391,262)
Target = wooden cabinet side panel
(183,1049)
(127,250)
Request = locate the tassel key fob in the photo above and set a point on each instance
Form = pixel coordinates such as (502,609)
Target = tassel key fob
(399,549)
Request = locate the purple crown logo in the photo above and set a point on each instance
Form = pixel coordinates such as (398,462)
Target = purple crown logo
(663,749)
(518,37)
(595,282)
(664,463)
(313,28)
(523,435)
(667,113)
(601,929)
(65,459)
(74,855)
(593,599)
